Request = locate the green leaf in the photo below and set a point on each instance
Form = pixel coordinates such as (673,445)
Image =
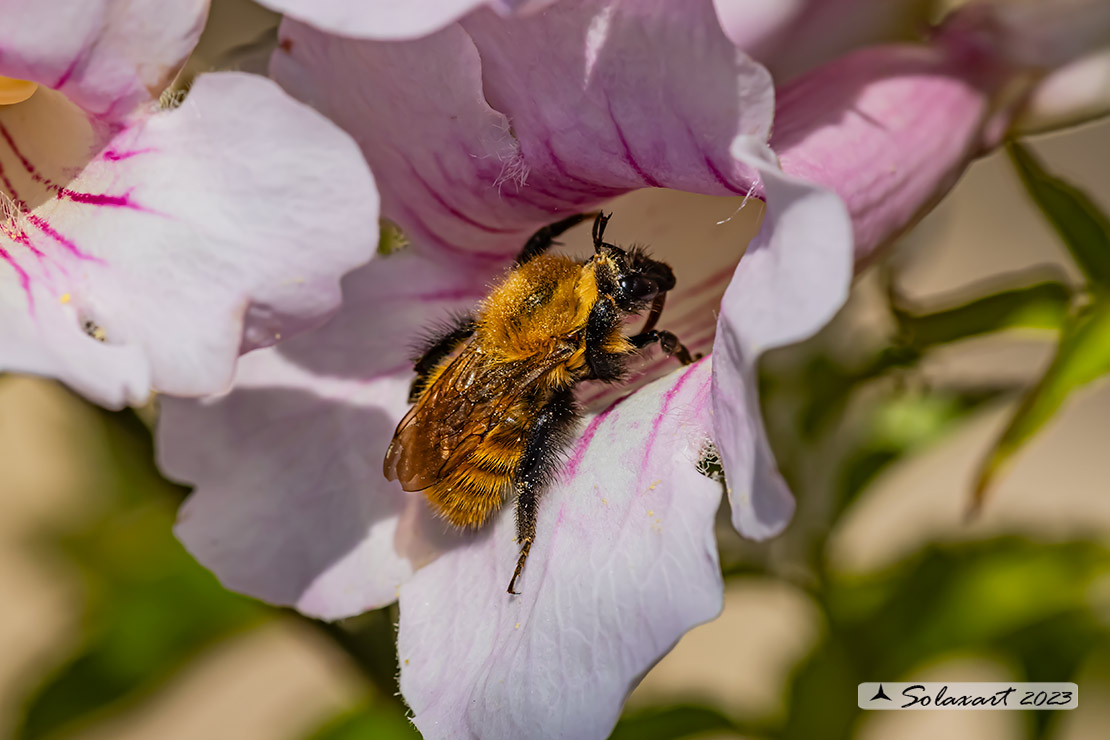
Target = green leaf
(1042,305)
(976,595)
(900,424)
(1082,356)
(1028,603)
(1084,229)
(369,723)
(821,389)
(670,723)
(823,694)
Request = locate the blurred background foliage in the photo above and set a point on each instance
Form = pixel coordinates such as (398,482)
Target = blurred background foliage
(137,621)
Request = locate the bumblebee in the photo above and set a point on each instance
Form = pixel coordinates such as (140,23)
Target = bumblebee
(494,408)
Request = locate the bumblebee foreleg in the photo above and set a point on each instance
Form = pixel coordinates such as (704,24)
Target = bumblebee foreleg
(438,347)
(604,320)
(548,436)
(668,342)
(544,239)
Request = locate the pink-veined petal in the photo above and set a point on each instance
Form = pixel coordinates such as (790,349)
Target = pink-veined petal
(468,187)
(290,503)
(596,121)
(889,129)
(793,278)
(462,182)
(625,562)
(235,214)
(107,56)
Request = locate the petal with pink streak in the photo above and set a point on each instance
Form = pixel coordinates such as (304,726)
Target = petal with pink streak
(234,214)
(473,181)
(290,503)
(793,278)
(597,121)
(107,56)
(625,562)
(889,129)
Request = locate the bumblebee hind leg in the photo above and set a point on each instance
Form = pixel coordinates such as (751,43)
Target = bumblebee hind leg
(438,347)
(548,437)
(544,239)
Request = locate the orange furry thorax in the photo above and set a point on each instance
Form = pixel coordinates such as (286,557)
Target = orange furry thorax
(536,306)
(537,310)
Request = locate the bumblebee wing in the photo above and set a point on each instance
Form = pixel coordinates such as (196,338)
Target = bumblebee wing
(456,412)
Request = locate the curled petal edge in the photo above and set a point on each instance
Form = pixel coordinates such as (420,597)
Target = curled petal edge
(792,280)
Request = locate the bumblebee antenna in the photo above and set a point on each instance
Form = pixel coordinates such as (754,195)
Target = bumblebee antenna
(599,230)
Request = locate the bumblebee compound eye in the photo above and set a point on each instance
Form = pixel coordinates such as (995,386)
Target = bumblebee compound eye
(663,277)
(638,289)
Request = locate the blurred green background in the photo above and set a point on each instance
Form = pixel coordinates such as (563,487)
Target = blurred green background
(987,323)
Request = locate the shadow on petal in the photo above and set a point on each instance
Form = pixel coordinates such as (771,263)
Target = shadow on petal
(290,504)
(389,306)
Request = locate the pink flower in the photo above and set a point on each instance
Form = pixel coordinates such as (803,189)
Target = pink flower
(176,237)
(478,134)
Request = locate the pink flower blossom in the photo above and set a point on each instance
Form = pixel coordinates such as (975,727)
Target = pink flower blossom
(479,133)
(176,237)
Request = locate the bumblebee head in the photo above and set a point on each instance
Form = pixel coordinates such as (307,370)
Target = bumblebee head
(630,276)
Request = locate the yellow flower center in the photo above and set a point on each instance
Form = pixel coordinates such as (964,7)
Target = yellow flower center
(15,91)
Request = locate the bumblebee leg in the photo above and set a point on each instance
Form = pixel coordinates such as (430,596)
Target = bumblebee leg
(604,365)
(524,550)
(548,437)
(655,313)
(668,342)
(544,239)
(436,349)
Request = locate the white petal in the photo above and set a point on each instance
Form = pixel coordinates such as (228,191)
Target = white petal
(625,562)
(791,281)
(237,212)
